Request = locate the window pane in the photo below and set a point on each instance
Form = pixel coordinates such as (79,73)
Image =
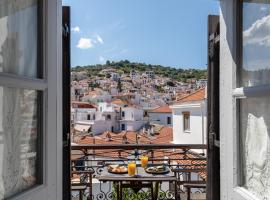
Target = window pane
(18,140)
(186,122)
(18,37)
(256,43)
(255,145)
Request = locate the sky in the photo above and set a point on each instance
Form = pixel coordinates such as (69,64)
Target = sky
(166,32)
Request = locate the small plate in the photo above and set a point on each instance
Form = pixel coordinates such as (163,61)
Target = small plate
(111,169)
(153,170)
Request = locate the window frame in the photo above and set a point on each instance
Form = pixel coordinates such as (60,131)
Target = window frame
(123,127)
(241,92)
(169,120)
(48,82)
(39,85)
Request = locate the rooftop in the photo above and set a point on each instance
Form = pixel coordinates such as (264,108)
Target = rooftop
(198,95)
(162,109)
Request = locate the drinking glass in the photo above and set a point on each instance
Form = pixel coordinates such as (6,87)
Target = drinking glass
(144,161)
(131,169)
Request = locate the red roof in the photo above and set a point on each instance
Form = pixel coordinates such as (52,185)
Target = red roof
(163,109)
(80,104)
(119,102)
(164,136)
(198,95)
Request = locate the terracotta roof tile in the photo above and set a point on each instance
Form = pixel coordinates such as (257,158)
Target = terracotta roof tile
(198,95)
(80,104)
(119,102)
(163,109)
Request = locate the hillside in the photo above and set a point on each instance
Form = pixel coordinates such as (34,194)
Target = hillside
(126,66)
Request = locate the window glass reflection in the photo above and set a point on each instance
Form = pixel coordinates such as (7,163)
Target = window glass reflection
(18,37)
(256,43)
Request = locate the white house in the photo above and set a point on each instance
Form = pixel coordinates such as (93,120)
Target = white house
(150,74)
(133,74)
(130,116)
(161,115)
(189,119)
(115,76)
(97,96)
(95,120)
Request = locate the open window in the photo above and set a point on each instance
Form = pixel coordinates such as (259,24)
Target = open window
(30,124)
(245,101)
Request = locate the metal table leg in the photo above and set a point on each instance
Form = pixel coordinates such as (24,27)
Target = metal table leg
(120,191)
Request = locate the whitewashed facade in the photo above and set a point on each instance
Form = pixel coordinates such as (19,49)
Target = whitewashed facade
(197,133)
(95,120)
(162,116)
(131,119)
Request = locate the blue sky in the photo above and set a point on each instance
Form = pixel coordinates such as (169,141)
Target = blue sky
(166,32)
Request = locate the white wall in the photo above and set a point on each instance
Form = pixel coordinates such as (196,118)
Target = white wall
(133,114)
(100,124)
(161,118)
(228,171)
(197,133)
(132,125)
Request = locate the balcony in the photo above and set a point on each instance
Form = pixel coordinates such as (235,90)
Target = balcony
(187,172)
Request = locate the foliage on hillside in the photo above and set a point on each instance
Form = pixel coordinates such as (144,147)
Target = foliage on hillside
(126,66)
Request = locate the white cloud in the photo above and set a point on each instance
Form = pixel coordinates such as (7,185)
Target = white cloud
(85,43)
(263,8)
(101,59)
(76,29)
(258,33)
(100,40)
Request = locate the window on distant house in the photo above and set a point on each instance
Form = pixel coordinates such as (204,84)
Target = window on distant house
(123,114)
(100,109)
(123,127)
(169,120)
(108,117)
(94,117)
(186,121)
(88,117)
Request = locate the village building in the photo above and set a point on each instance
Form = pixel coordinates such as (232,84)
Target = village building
(161,115)
(189,118)
(90,119)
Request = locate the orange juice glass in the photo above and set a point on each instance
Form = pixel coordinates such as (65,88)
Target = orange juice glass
(131,168)
(144,161)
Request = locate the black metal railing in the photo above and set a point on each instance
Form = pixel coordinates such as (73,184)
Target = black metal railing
(186,162)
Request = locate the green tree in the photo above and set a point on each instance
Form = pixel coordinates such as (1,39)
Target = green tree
(119,86)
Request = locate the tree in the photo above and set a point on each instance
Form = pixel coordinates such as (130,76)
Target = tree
(119,86)
(170,83)
(108,75)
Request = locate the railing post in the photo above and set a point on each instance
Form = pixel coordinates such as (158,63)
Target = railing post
(188,193)
(152,155)
(90,186)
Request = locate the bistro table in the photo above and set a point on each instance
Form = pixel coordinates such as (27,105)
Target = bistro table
(137,182)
